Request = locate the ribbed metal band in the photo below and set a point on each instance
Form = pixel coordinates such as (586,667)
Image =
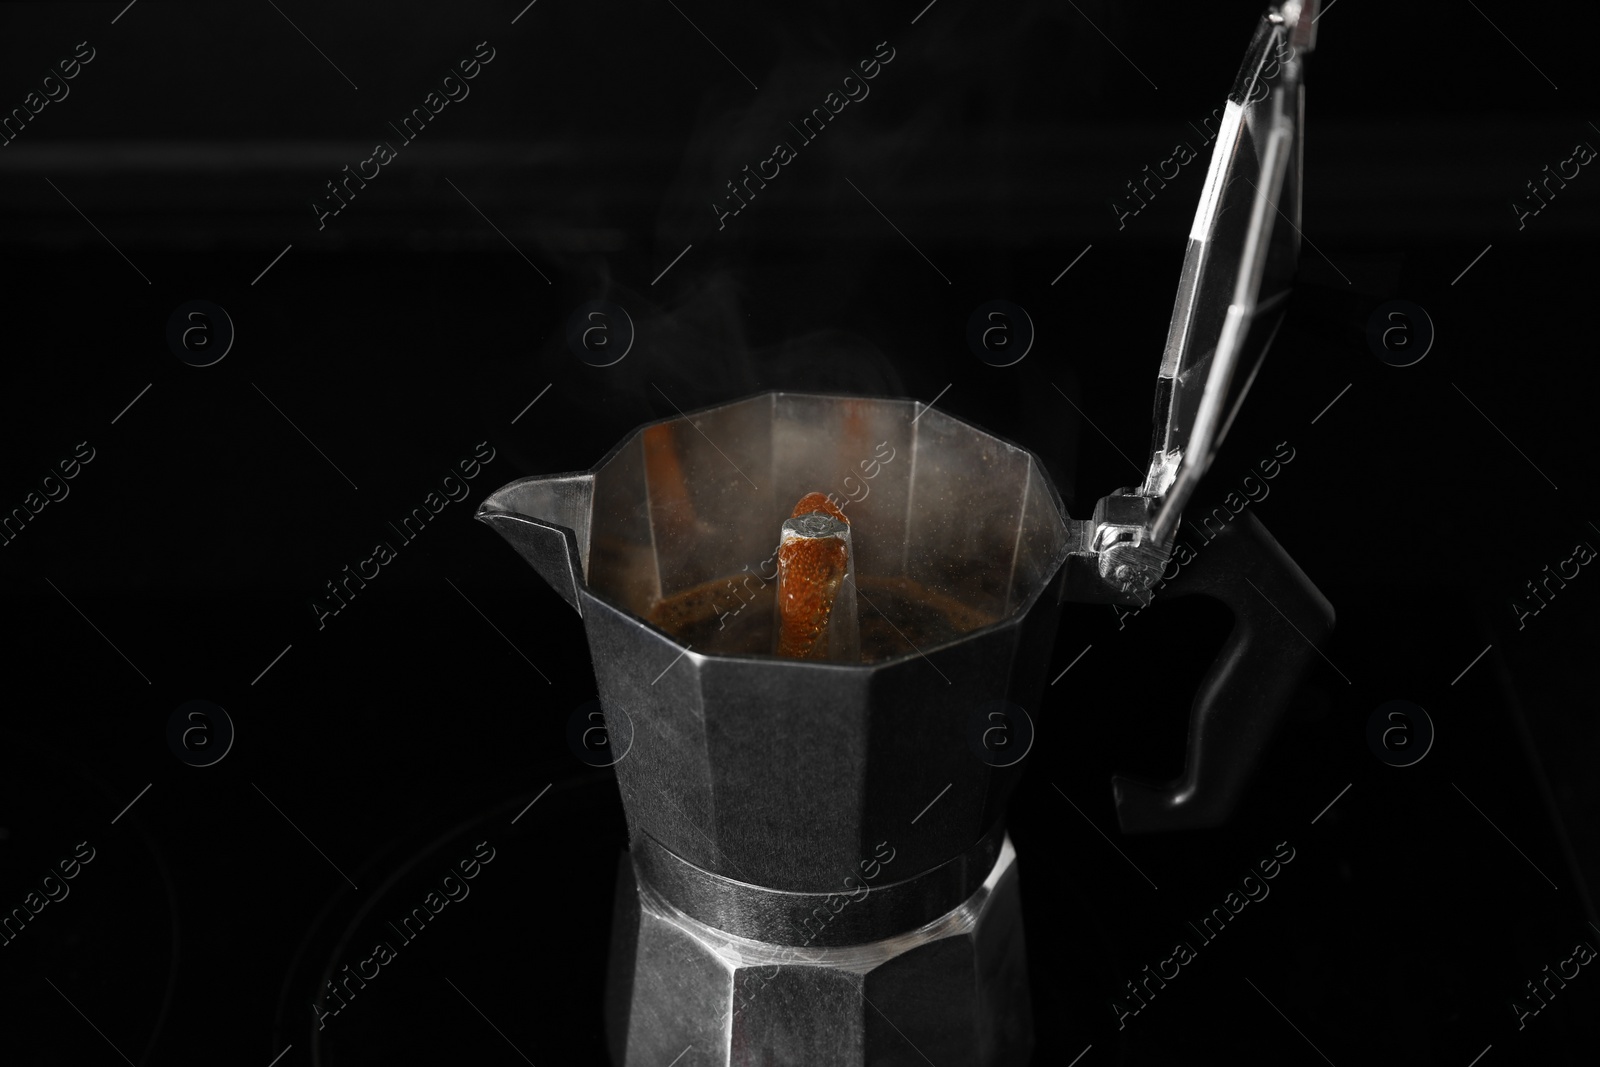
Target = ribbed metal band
(857,914)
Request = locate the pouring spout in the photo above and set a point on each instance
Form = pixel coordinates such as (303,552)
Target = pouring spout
(546,519)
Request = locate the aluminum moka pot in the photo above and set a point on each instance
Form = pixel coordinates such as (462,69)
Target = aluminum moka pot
(818,870)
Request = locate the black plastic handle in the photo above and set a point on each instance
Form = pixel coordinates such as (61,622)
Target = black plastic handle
(1279,618)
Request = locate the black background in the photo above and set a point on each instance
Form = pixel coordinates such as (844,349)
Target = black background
(379,351)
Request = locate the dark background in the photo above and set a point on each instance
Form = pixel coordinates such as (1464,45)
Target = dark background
(379,351)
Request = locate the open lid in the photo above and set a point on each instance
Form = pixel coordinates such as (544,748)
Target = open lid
(1237,271)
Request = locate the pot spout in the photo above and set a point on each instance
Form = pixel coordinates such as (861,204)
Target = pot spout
(546,519)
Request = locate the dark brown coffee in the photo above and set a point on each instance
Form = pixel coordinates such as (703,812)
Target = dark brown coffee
(898,616)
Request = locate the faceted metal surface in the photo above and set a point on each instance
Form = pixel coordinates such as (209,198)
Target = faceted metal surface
(952,992)
(967,516)
(778,772)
